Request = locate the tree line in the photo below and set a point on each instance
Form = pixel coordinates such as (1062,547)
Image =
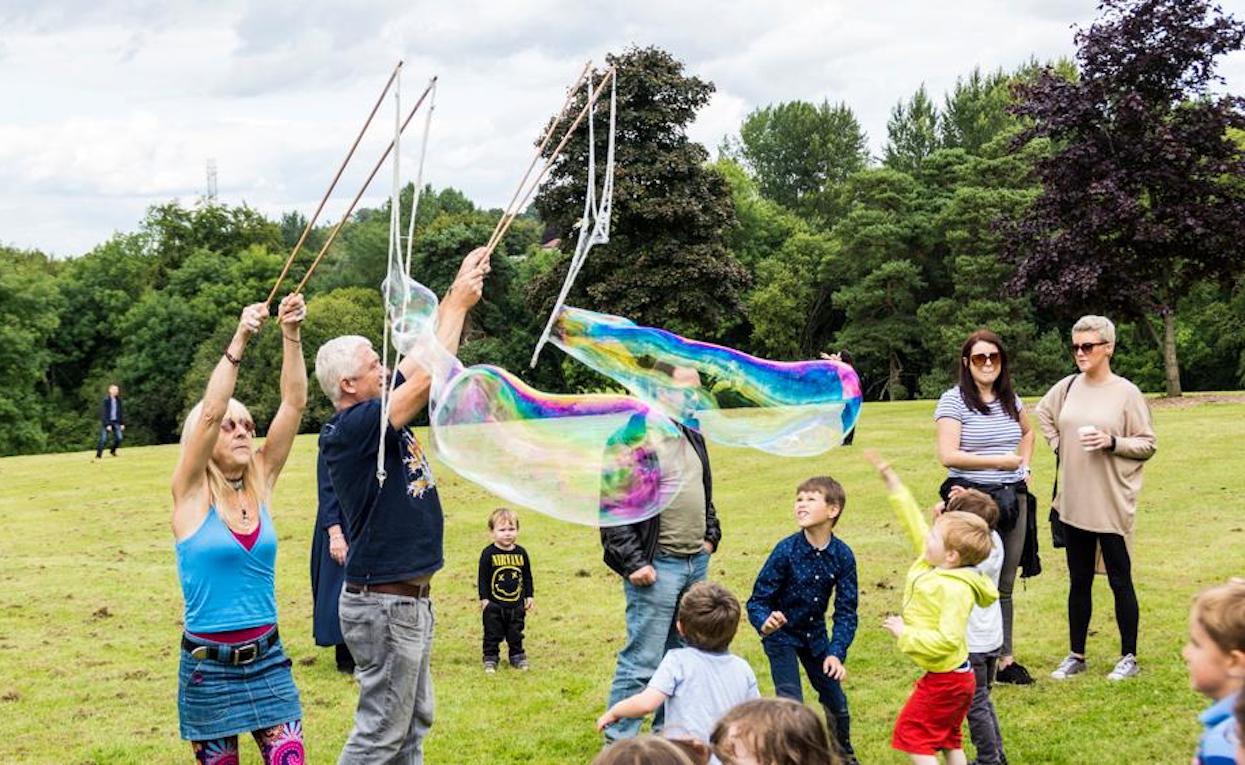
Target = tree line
(1018,201)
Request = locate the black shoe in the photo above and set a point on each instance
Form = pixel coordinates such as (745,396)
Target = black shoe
(1014,674)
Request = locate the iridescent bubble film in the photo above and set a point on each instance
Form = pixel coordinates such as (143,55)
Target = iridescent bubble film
(595,459)
(796,408)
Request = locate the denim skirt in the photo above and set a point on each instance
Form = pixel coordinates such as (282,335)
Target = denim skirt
(215,700)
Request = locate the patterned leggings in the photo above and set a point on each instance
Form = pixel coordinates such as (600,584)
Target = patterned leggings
(281,745)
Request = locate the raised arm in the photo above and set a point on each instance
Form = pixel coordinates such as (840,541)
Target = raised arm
(190,472)
(293,390)
(412,396)
(902,502)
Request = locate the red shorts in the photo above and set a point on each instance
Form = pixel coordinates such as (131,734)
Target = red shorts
(935,711)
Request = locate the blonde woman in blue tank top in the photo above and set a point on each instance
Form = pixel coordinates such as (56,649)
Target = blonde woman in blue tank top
(234,676)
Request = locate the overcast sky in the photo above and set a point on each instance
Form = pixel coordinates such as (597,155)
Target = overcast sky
(109,107)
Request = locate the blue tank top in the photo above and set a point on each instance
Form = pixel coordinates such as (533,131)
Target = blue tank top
(227,587)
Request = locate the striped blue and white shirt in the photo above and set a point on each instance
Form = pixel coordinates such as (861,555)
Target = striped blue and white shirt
(991,434)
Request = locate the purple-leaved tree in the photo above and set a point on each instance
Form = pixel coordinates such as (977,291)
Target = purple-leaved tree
(1141,190)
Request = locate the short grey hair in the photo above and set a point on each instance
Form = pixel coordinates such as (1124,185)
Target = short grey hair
(1100,324)
(337,359)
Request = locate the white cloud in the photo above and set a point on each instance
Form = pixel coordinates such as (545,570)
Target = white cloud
(112,106)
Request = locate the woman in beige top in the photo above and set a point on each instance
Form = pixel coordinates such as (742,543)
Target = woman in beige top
(1104,421)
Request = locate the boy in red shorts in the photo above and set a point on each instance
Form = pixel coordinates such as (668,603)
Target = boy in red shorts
(941,589)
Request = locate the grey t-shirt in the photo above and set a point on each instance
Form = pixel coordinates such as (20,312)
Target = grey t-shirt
(701,687)
(682,530)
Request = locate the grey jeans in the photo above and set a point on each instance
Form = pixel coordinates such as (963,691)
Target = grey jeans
(983,721)
(1013,547)
(390,637)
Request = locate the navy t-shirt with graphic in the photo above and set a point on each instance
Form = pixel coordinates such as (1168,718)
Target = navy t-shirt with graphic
(395,530)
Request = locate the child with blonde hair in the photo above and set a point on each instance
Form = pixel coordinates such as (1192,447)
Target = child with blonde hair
(1215,656)
(504,581)
(940,591)
(772,732)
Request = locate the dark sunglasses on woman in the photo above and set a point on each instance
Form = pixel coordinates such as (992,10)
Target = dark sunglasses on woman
(1086,348)
(980,359)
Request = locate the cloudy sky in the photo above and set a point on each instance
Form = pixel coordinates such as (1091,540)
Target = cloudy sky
(108,107)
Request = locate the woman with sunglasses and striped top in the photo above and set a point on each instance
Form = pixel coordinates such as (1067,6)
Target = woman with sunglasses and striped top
(234,676)
(985,442)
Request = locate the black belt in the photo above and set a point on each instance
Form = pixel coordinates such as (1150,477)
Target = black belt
(405,589)
(230,654)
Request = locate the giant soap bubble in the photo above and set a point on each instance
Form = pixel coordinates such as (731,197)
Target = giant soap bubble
(787,408)
(596,459)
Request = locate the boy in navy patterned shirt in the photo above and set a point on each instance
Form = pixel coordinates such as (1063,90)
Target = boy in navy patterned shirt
(790,598)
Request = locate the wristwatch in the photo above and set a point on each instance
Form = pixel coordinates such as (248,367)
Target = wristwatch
(1112,443)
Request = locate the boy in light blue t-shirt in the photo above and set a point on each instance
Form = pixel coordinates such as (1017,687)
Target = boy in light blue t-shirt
(699,683)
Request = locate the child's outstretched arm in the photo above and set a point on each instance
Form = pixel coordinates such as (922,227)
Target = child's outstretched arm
(902,501)
(643,703)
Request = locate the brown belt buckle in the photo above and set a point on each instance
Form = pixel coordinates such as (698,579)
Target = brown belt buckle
(245,654)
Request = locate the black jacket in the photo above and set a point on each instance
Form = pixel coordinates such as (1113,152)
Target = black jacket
(1005,495)
(105,412)
(632,547)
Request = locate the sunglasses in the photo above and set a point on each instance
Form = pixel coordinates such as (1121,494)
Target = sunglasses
(228,425)
(1086,348)
(980,359)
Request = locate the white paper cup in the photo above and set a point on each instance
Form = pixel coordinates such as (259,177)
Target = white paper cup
(1083,431)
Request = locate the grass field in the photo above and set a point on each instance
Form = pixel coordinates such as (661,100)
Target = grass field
(90,609)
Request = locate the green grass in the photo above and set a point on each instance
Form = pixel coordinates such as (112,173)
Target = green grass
(90,609)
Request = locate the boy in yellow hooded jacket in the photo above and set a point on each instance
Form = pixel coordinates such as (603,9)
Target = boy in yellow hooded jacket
(941,589)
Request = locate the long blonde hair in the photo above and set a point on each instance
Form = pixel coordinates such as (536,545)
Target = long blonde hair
(218,486)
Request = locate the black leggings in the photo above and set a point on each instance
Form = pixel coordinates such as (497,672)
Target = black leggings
(1082,551)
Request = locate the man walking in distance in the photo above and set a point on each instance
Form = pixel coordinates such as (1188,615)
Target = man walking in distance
(111,422)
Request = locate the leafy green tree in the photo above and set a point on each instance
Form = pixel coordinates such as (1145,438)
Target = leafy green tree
(882,331)
(789,299)
(761,226)
(912,133)
(175,233)
(880,272)
(29,304)
(161,329)
(666,263)
(800,151)
(976,111)
(97,290)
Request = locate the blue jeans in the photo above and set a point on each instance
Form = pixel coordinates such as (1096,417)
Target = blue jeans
(784,668)
(651,613)
(106,430)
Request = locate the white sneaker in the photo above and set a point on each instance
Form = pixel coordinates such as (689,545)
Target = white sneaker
(1125,668)
(1072,665)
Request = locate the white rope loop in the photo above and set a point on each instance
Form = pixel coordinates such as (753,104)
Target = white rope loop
(395,251)
(594,226)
